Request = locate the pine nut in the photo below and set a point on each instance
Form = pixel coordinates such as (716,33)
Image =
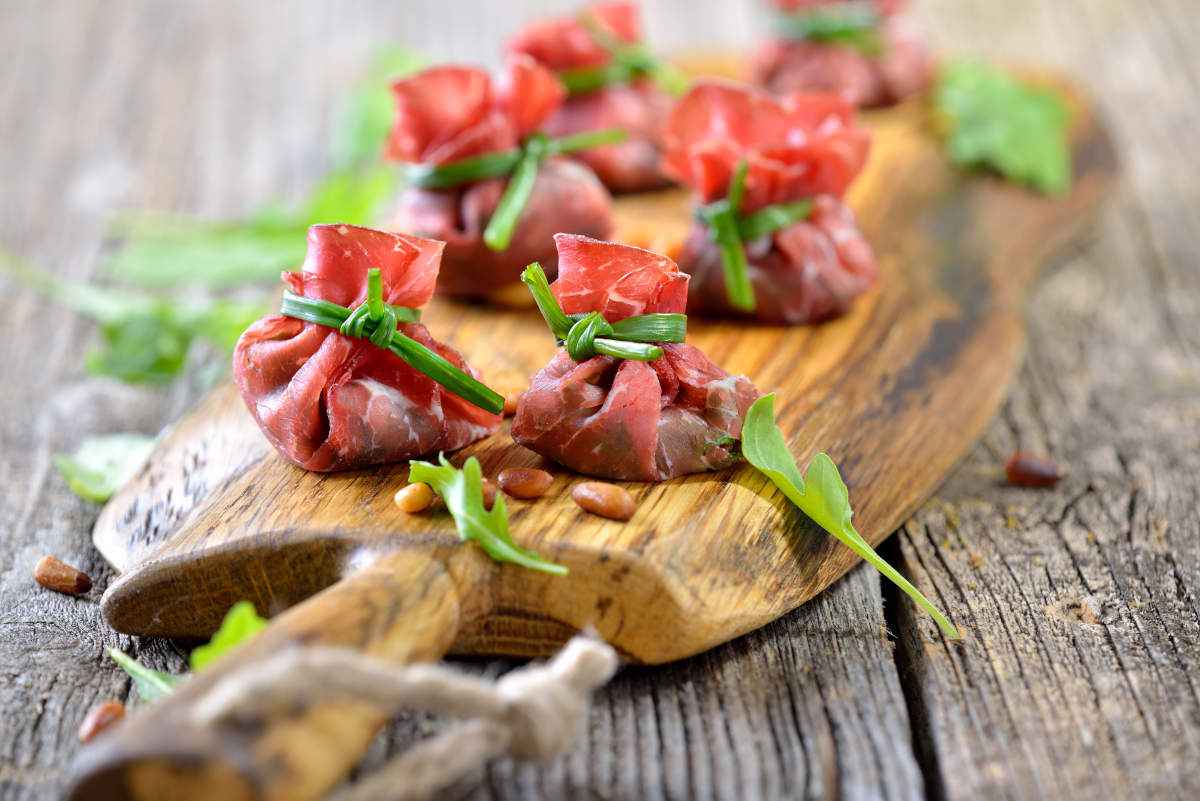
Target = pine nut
(606,500)
(416,497)
(100,717)
(55,574)
(510,404)
(489,493)
(1030,470)
(525,482)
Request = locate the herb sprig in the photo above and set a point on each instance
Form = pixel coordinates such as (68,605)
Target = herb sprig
(730,230)
(994,120)
(462,491)
(853,24)
(585,335)
(102,465)
(627,62)
(820,493)
(146,339)
(520,164)
(241,623)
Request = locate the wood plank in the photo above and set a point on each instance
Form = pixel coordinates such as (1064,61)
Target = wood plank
(1077,679)
(62,104)
(51,649)
(807,707)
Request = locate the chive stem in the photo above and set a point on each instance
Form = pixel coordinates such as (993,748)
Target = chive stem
(853,24)
(381,332)
(534,277)
(585,335)
(375,305)
(498,234)
(521,165)
(627,62)
(730,230)
(586,140)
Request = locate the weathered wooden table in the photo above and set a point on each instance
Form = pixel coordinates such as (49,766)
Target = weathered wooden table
(1078,676)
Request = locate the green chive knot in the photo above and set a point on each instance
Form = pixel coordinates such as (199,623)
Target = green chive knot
(730,230)
(377,322)
(588,335)
(581,339)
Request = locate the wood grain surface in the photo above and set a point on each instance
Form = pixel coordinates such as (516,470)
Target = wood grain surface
(1080,603)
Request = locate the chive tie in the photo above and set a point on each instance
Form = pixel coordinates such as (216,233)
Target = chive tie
(521,165)
(376,322)
(730,230)
(588,335)
(627,63)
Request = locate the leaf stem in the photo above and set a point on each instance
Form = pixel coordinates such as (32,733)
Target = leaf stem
(820,494)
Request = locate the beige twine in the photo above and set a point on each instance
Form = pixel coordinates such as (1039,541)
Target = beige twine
(534,712)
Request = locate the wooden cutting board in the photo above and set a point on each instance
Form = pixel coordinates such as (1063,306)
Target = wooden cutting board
(897,392)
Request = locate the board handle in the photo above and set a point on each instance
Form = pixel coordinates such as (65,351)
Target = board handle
(404,606)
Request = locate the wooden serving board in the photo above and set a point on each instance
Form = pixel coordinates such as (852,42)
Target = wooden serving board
(896,391)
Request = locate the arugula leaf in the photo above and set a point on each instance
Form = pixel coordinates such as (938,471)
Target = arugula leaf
(143,349)
(164,251)
(222,322)
(820,493)
(364,124)
(146,339)
(241,623)
(102,465)
(151,684)
(151,347)
(996,121)
(462,490)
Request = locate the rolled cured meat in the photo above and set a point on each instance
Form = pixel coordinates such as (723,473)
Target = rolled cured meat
(878,65)
(582,46)
(450,115)
(331,401)
(623,418)
(794,158)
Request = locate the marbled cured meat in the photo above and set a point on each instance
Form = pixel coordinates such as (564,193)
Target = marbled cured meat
(625,419)
(331,402)
(640,108)
(904,66)
(803,146)
(446,114)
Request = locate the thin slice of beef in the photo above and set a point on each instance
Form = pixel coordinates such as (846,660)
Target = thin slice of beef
(449,113)
(640,108)
(625,419)
(802,147)
(331,402)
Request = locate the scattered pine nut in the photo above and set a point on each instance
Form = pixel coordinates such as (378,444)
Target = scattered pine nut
(1031,470)
(489,493)
(55,574)
(416,497)
(606,500)
(510,404)
(101,716)
(525,482)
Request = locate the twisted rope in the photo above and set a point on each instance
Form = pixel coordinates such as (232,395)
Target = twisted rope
(532,713)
